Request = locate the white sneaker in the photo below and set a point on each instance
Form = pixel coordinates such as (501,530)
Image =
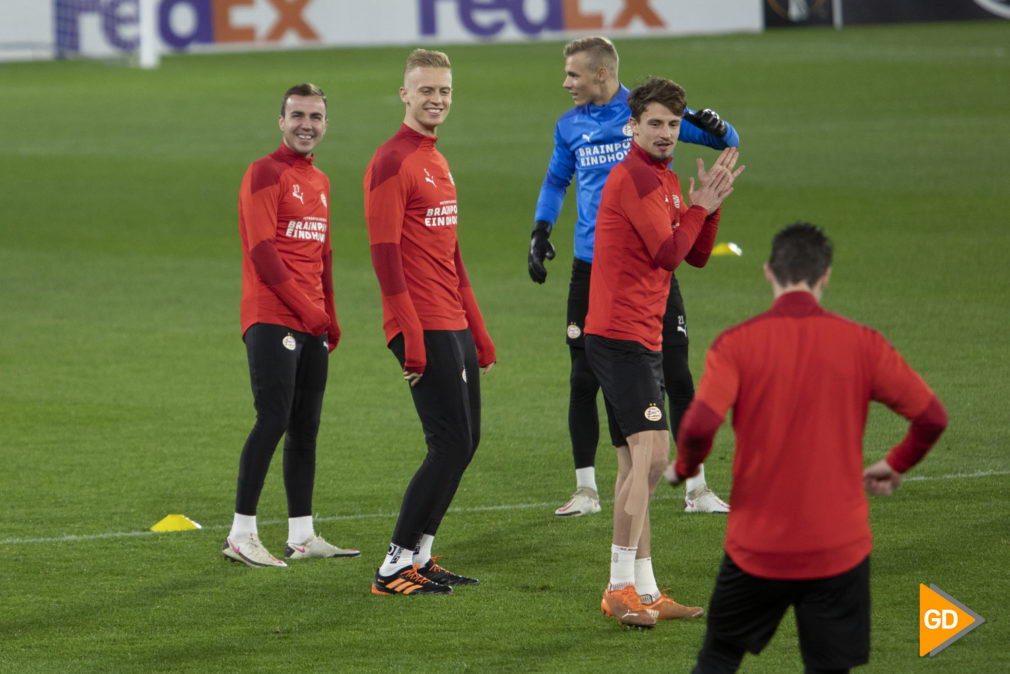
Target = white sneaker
(317,546)
(249,551)
(704,500)
(585,501)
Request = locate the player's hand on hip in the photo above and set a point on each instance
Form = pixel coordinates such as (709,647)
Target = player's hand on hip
(880,479)
(412,377)
(541,249)
(487,368)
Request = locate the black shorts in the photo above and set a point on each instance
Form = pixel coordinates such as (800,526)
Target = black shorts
(632,380)
(832,614)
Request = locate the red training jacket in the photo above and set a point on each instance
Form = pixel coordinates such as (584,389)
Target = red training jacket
(411,214)
(284,222)
(800,380)
(643,232)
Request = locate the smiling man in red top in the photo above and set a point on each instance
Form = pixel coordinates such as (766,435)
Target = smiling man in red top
(643,231)
(430,316)
(289,325)
(800,380)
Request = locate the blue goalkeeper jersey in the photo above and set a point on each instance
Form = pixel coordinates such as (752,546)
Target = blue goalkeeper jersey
(589,141)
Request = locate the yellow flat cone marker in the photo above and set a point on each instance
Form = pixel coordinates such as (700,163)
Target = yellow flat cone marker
(176,523)
(727,249)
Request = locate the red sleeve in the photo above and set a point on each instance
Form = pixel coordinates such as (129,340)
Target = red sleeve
(481,338)
(385,203)
(702,250)
(388,264)
(647,208)
(333,330)
(679,243)
(268,264)
(923,433)
(642,197)
(717,392)
(694,440)
(901,388)
(258,201)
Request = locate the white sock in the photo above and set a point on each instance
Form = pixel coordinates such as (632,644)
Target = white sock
(585,477)
(622,566)
(397,558)
(645,581)
(422,553)
(242,526)
(300,529)
(696,482)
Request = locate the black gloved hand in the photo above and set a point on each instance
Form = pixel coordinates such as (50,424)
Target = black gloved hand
(540,249)
(708,120)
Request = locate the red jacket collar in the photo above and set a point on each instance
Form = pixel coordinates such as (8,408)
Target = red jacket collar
(289,156)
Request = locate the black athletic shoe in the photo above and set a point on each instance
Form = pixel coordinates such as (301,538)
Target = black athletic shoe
(443,576)
(407,581)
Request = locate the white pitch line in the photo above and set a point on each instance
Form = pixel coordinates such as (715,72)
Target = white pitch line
(470,509)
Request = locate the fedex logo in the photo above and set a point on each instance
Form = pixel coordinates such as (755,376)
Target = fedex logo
(487,18)
(182,23)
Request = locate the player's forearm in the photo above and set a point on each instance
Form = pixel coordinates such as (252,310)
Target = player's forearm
(267,262)
(676,247)
(695,438)
(333,331)
(731,139)
(388,265)
(481,338)
(923,433)
(550,200)
(689,133)
(702,248)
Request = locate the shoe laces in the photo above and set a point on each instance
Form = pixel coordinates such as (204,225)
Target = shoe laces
(414,576)
(630,595)
(436,567)
(663,595)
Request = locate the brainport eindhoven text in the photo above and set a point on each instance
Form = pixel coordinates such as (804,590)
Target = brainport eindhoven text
(605,154)
(313,229)
(441,216)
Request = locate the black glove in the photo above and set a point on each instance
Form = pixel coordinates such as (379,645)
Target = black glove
(708,120)
(540,248)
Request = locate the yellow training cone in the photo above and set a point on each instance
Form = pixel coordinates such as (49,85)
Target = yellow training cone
(176,523)
(727,249)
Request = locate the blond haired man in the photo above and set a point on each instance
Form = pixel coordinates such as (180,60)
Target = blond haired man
(431,319)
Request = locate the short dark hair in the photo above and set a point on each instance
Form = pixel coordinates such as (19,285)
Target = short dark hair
(304,89)
(801,252)
(657,90)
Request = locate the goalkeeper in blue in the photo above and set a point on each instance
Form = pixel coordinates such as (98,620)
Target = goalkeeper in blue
(589,140)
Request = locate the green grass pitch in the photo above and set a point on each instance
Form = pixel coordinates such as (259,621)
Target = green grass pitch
(123,384)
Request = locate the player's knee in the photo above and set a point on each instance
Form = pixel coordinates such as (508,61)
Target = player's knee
(583,383)
(677,374)
(657,462)
(718,656)
(270,427)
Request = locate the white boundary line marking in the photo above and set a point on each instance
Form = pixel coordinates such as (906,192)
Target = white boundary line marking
(364,516)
